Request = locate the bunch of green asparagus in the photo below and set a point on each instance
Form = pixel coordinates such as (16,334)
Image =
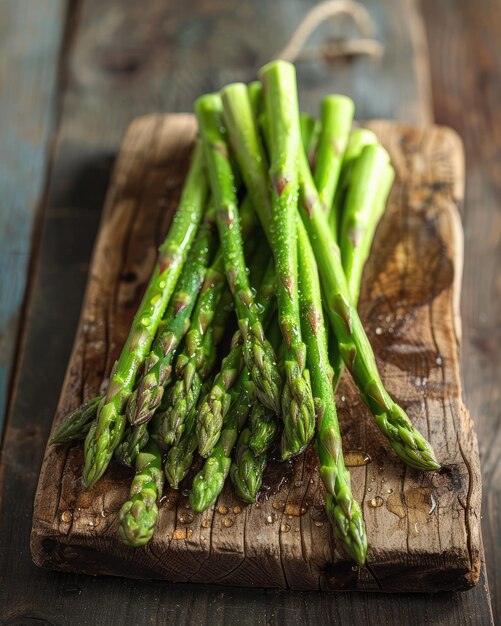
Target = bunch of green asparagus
(273,228)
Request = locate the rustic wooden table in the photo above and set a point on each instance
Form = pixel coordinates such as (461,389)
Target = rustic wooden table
(72,75)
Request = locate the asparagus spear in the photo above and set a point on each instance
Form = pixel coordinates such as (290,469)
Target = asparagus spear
(257,351)
(138,515)
(77,424)
(360,209)
(180,457)
(343,510)
(354,346)
(310,133)
(217,402)
(359,138)
(197,358)
(172,421)
(277,214)
(209,482)
(336,116)
(263,428)
(145,399)
(246,471)
(135,438)
(263,423)
(106,433)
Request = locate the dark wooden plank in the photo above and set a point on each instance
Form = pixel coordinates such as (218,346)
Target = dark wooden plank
(100,101)
(30,38)
(464,40)
(424,531)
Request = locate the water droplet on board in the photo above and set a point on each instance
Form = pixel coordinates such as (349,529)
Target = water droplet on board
(318,523)
(222,509)
(186,517)
(66,516)
(354,568)
(269,519)
(379,330)
(298,483)
(376,502)
(356,458)
(237,510)
(439,360)
(179,533)
(285,528)
(185,492)
(228,522)
(277,505)
(206,523)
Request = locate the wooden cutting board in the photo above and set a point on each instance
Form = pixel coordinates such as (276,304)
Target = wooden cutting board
(423,528)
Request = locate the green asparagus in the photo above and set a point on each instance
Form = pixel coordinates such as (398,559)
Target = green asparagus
(106,433)
(209,482)
(145,399)
(138,515)
(196,361)
(360,208)
(343,510)
(134,440)
(359,138)
(310,133)
(257,351)
(336,116)
(180,457)
(354,346)
(217,402)
(246,471)
(277,213)
(77,424)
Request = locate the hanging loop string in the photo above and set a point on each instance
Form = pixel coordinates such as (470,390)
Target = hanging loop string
(331,50)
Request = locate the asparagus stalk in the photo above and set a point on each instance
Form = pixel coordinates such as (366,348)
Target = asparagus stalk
(343,510)
(354,345)
(209,482)
(138,515)
(77,424)
(336,116)
(135,438)
(263,423)
(197,359)
(277,214)
(257,351)
(180,457)
(145,399)
(360,211)
(106,433)
(246,471)
(359,138)
(217,402)
(263,428)
(310,133)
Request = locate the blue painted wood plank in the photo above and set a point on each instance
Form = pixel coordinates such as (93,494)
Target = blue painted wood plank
(31,33)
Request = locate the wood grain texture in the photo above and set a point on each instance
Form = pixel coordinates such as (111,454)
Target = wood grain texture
(30,38)
(464,40)
(423,528)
